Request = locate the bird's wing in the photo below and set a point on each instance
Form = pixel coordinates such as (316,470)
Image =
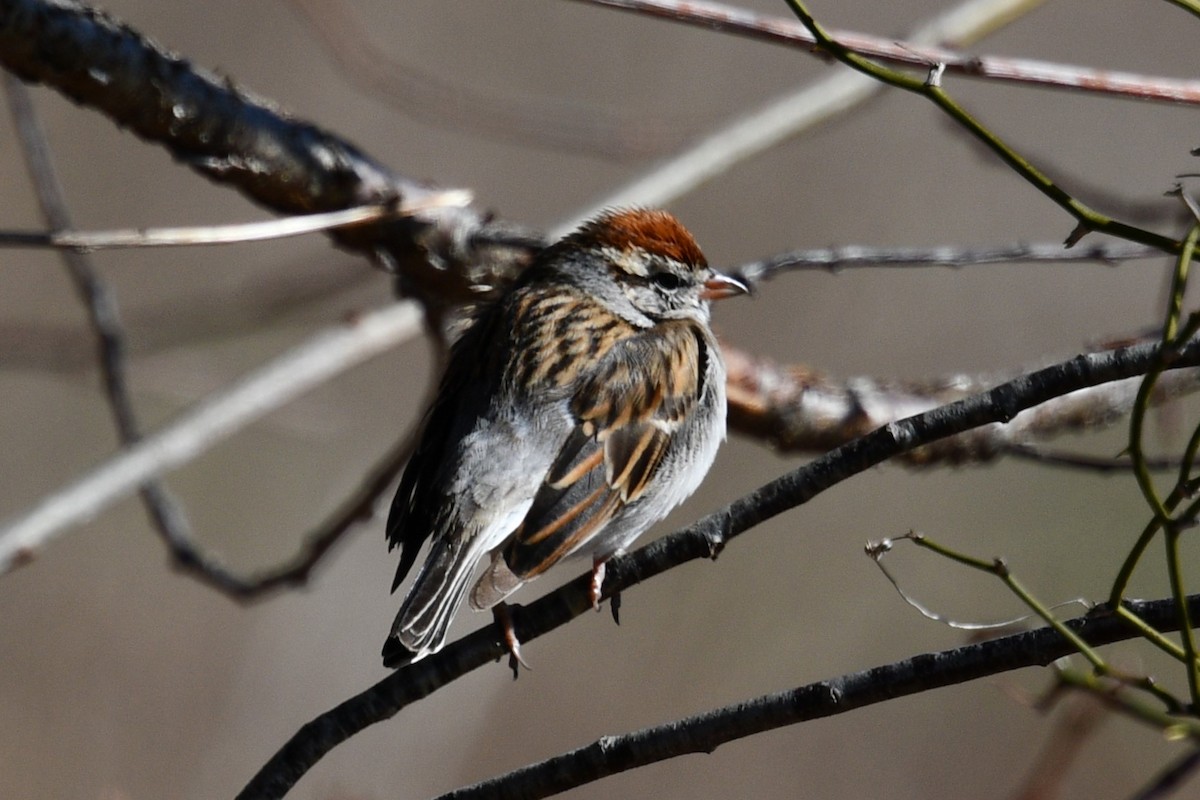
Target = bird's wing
(422,504)
(625,413)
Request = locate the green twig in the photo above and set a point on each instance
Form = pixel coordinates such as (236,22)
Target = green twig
(998,568)
(1175,571)
(1088,218)
(1101,667)
(1150,633)
(1188,462)
(1170,339)
(1110,691)
(1162,508)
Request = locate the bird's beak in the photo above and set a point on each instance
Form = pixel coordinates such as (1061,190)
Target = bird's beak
(720,286)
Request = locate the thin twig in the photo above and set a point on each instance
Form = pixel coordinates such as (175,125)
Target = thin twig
(878,550)
(282,228)
(704,539)
(358,507)
(1087,219)
(165,513)
(836,259)
(272,385)
(918,55)
(1059,458)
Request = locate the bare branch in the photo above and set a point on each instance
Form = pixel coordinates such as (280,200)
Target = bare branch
(705,539)
(836,259)
(166,516)
(165,513)
(286,377)
(202,119)
(704,733)
(783,30)
(232,137)
(797,409)
(285,227)
(1082,461)
(357,508)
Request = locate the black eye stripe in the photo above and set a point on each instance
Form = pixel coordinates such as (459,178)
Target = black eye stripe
(666,280)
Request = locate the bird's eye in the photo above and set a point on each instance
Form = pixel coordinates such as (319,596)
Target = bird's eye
(666,280)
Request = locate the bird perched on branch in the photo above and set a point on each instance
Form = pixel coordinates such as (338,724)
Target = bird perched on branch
(577,410)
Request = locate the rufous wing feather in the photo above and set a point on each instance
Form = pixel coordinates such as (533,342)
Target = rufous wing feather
(625,414)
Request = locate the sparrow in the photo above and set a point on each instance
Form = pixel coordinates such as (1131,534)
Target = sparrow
(578,409)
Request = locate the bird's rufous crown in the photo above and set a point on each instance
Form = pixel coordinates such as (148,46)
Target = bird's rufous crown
(656,232)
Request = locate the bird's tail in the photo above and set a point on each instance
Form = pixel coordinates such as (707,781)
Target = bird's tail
(420,627)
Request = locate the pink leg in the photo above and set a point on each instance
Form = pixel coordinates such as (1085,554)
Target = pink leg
(597,587)
(504,620)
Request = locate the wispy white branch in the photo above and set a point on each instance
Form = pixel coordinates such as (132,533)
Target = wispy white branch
(229,234)
(326,354)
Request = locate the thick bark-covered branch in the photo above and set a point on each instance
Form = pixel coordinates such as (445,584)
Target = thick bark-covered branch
(206,122)
(703,539)
(203,120)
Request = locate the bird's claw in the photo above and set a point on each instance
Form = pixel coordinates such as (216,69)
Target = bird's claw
(511,642)
(596,590)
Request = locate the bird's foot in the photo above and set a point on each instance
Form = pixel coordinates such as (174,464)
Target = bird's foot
(596,590)
(597,587)
(511,642)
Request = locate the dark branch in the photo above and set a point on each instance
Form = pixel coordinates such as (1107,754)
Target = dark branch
(287,165)
(836,259)
(98,298)
(703,539)
(704,733)
(1057,458)
(202,119)
(355,509)
(795,408)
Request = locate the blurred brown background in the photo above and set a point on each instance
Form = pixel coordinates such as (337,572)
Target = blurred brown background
(122,679)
